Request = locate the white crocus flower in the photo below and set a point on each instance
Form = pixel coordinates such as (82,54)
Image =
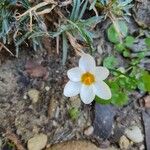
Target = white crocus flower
(87,80)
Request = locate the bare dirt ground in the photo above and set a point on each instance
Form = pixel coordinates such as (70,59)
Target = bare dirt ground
(23,118)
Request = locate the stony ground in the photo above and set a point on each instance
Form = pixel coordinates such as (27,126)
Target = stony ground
(34,112)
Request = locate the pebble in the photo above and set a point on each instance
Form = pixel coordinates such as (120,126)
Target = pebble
(142,147)
(147,101)
(34,95)
(88,131)
(47,88)
(124,142)
(25,97)
(134,134)
(38,142)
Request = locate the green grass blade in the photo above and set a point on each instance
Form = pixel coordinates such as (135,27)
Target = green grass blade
(83,9)
(91,21)
(92,4)
(73,9)
(76,14)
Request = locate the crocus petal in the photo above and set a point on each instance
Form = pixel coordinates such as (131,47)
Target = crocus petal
(72,89)
(74,74)
(87,95)
(101,73)
(102,90)
(87,63)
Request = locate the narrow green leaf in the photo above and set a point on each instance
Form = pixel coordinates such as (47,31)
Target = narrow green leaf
(92,4)
(83,9)
(73,10)
(76,14)
(91,21)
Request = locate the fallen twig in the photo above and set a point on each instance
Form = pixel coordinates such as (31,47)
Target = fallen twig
(3,46)
(13,138)
(77,47)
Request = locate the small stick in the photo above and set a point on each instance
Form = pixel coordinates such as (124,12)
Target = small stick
(12,137)
(3,46)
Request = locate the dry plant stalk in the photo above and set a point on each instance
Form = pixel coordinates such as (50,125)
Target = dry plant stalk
(42,4)
(3,46)
(77,47)
(13,138)
(116,26)
(94,8)
(65,3)
(33,10)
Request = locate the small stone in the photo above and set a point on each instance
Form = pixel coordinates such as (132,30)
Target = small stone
(75,102)
(99,61)
(74,145)
(124,142)
(88,131)
(47,88)
(105,144)
(34,95)
(147,101)
(142,147)
(134,134)
(25,97)
(82,121)
(38,142)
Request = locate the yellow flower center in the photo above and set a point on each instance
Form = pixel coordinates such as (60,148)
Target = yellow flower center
(87,78)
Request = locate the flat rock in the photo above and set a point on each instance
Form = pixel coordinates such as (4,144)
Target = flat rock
(146,119)
(104,117)
(134,134)
(38,142)
(88,131)
(77,145)
(142,13)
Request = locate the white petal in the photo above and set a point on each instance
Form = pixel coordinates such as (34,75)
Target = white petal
(87,63)
(72,89)
(102,90)
(101,73)
(87,95)
(74,74)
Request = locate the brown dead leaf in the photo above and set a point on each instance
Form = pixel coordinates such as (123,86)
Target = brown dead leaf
(36,70)
(47,44)
(147,101)
(77,47)
(13,138)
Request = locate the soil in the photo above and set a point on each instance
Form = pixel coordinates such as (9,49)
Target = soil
(50,114)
